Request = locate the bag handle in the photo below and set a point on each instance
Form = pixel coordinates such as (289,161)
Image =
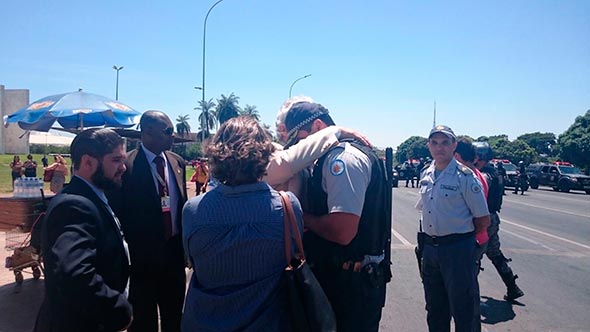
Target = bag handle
(290,226)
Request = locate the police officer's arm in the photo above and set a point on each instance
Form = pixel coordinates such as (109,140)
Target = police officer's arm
(339,227)
(286,163)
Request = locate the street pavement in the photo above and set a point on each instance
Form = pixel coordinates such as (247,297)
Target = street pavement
(546,233)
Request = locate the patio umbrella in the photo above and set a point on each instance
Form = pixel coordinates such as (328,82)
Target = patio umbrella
(74,110)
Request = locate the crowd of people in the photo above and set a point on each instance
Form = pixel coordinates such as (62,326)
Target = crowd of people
(118,239)
(58,170)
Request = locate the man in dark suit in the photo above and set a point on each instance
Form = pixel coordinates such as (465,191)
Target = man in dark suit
(149,205)
(85,255)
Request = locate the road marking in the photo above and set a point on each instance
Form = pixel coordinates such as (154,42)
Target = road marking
(546,208)
(527,239)
(547,234)
(402,239)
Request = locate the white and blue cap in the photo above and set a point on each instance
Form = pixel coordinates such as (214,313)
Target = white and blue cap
(447,131)
(299,115)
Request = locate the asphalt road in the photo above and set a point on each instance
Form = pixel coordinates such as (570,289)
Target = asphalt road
(546,233)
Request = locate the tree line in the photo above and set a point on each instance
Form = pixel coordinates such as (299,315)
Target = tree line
(573,145)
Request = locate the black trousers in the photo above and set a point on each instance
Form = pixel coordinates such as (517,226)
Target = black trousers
(451,289)
(158,284)
(357,304)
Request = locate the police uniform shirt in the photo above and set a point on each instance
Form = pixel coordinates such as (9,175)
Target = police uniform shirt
(450,201)
(346,174)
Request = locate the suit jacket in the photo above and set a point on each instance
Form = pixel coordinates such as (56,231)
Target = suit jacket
(138,207)
(86,267)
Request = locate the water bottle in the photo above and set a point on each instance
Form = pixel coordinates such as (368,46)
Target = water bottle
(17,192)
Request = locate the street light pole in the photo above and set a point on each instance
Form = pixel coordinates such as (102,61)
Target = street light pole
(117,88)
(203,85)
(203,124)
(299,79)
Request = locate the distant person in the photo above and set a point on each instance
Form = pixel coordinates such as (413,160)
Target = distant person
(30,167)
(44,161)
(16,169)
(200,176)
(410,172)
(84,252)
(502,173)
(60,171)
(522,179)
(233,235)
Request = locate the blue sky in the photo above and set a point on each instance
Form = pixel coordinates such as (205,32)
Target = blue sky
(496,67)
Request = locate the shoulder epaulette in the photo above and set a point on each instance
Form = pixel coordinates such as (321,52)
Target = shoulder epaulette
(464,169)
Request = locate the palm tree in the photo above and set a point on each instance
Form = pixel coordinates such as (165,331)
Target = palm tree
(207,115)
(227,108)
(251,111)
(182,126)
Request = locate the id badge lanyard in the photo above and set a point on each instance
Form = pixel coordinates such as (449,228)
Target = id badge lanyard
(164,200)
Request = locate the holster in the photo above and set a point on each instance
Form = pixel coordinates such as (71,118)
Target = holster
(418,250)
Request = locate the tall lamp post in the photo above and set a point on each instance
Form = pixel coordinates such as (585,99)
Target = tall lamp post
(299,79)
(117,87)
(203,124)
(203,85)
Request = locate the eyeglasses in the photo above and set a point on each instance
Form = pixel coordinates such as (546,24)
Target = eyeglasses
(168,131)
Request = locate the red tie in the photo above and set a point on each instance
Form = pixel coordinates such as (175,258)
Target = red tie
(163,191)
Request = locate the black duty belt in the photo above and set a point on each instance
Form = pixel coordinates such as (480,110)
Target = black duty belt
(447,239)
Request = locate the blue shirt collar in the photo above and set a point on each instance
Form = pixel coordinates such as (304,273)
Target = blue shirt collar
(150,155)
(96,190)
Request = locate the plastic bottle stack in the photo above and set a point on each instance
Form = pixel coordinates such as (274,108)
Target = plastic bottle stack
(27,187)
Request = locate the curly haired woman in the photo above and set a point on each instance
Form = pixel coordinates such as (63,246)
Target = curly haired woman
(233,236)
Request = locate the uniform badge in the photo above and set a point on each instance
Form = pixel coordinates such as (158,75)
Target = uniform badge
(337,167)
(475,188)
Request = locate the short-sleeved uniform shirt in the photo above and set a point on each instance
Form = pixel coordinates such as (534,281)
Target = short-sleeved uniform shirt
(451,200)
(346,174)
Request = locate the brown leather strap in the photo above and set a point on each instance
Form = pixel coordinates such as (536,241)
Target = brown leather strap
(290,227)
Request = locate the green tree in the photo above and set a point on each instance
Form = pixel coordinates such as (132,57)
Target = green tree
(574,143)
(518,150)
(206,115)
(542,142)
(183,128)
(413,147)
(251,111)
(227,108)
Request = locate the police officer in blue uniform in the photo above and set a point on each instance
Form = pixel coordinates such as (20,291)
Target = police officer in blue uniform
(454,220)
(496,190)
(347,219)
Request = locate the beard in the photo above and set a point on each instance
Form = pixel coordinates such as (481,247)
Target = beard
(102,182)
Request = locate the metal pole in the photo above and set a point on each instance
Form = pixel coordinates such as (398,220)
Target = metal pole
(203,85)
(299,79)
(117,86)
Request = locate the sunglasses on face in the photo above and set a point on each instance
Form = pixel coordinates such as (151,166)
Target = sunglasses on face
(168,131)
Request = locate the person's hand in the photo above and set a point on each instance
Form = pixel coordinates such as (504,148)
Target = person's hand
(482,237)
(350,133)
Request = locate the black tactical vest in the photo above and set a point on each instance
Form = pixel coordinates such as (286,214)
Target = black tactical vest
(496,188)
(372,232)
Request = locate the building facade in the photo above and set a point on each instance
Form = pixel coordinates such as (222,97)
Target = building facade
(13,140)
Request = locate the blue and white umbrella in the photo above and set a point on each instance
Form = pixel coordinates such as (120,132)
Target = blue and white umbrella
(74,110)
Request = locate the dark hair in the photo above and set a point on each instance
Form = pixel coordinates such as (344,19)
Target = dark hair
(95,142)
(239,152)
(465,149)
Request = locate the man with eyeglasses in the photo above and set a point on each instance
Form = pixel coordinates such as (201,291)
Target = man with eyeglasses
(454,221)
(149,206)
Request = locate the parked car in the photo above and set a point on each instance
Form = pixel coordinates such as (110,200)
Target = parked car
(561,176)
(511,172)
